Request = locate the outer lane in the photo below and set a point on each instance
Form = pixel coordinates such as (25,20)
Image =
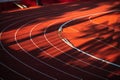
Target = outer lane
(10,39)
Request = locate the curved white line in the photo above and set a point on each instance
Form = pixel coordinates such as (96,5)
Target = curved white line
(50,55)
(18,59)
(35,57)
(14,71)
(60,30)
(24,63)
(70,56)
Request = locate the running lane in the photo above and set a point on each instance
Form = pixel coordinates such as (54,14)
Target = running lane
(33,47)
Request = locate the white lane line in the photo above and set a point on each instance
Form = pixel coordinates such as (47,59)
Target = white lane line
(35,57)
(15,37)
(49,54)
(14,71)
(31,55)
(70,56)
(84,51)
(25,63)
(18,59)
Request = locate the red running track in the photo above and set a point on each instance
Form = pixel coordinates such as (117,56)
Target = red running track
(31,48)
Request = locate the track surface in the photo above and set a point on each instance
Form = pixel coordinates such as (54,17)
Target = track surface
(61,42)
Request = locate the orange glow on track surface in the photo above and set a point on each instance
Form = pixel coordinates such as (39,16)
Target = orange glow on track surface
(31,35)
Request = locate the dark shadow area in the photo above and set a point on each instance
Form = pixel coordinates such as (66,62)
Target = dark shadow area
(106,38)
(98,43)
(80,63)
(48,12)
(116,6)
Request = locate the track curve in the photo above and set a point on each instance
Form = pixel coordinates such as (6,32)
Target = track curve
(32,48)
